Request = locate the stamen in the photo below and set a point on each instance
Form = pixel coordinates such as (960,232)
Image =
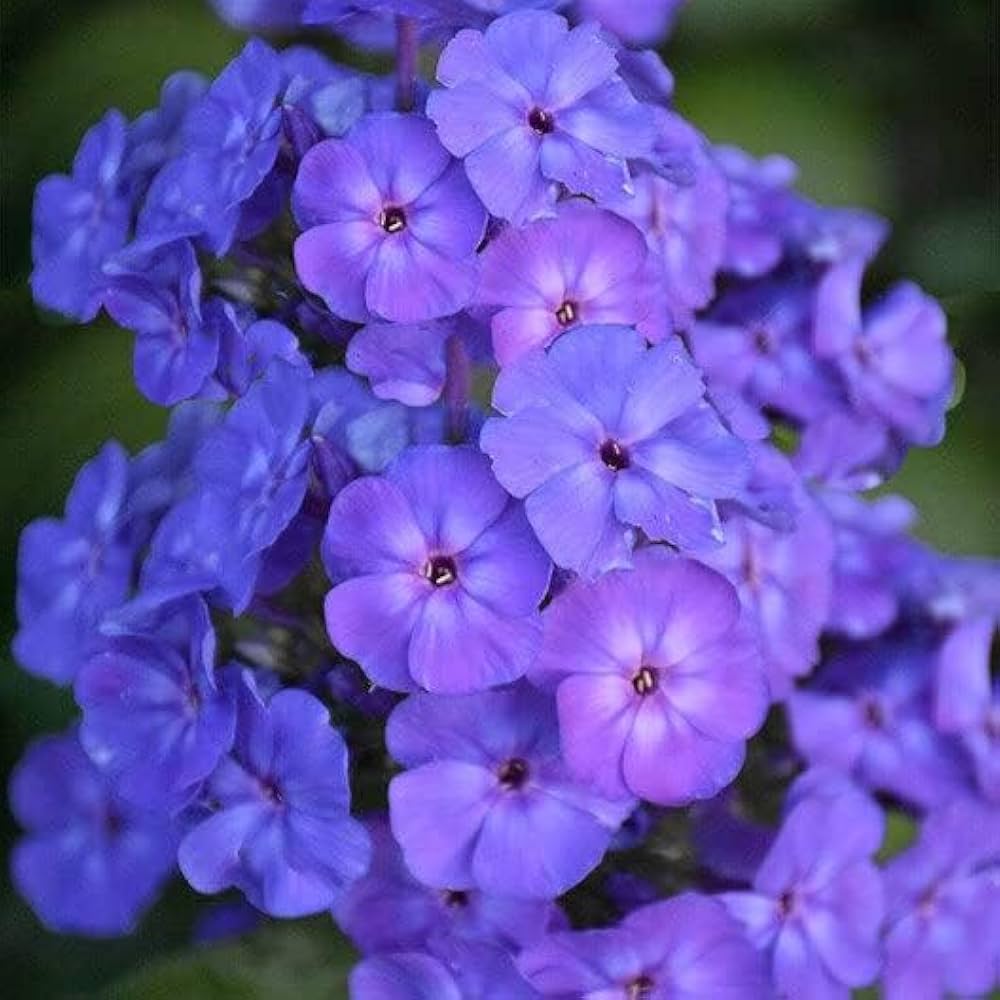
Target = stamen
(540,121)
(614,456)
(639,987)
(455,897)
(513,773)
(567,313)
(440,570)
(645,681)
(392,219)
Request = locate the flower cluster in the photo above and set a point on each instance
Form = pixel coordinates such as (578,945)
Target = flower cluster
(518,476)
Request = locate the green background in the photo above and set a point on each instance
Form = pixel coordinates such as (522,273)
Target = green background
(887,105)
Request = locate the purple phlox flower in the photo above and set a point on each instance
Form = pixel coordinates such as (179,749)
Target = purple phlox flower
(156,136)
(868,714)
(232,137)
(872,548)
(355,432)
(652,665)
(943,899)
(583,267)
(155,291)
(246,349)
(759,191)
(756,340)
(644,23)
(390,223)
(408,362)
(492,806)
(619,435)
(530,104)
(156,718)
(256,461)
(438,575)
(71,571)
(261,15)
(784,579)
(816,906)
(389,910)
(894,357)
(322,99)
(79,221)
(685,946)
(88,862)
(967,701)
(685,227)
(195,549)
(280,828)
(826,235)
(162,474)
(843,451)
(456,970)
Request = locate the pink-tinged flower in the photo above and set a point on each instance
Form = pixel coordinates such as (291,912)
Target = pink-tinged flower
(658,684)
(583,267)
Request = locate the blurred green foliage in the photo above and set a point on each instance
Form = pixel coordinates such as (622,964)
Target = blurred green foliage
(883,104)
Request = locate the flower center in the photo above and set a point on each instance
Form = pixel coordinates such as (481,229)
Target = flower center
(540,121)
(567,313)
(872,712)
(639,987)
(644,681)
(614,456)
(455,898)
(440,570)
(272,792)
(786,903)
(392,219)
(513,773)
(763,341)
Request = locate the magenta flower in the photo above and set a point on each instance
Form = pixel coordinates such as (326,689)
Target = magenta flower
(584,266)
(390,223)
(652,665)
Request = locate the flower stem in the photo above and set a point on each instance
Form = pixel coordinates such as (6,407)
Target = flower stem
(407,49)
(457,386)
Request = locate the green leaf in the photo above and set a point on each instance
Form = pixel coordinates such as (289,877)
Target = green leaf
(304,960)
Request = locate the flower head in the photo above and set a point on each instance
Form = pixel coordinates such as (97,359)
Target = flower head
(491,806)
(438,575)
(531,103)
(279,824)
(619,434)
(89,862)
(583,267)
(816,907)
(651,665)
(684,946)
(390,223)
(79,221)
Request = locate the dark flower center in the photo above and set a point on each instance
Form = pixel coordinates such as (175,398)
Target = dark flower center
(392,219)
(540,121)
(272,792)
(614,456)
(763,341)
(513,773)
(456,898)
(639,987)
(440,570)
(567,313)
(786,903)
(644,681)
(873,713)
